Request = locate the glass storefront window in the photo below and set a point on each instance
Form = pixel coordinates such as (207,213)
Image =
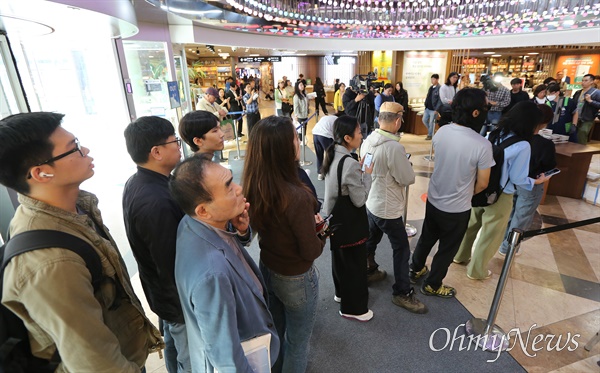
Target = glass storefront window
(81,79)
(149,72)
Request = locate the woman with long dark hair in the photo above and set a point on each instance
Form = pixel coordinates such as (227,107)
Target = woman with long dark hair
(448,90)
(348,262)
(519,121)
(282,211)
(320,100)
(300,104)
(401,97)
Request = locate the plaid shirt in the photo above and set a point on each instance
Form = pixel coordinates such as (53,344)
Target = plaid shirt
(250,107)
(501,96)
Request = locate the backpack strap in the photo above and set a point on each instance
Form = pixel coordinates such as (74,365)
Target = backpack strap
(339,173)
(43,239)
(505,144)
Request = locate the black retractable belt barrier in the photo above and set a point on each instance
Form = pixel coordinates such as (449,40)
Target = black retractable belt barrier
(484,332)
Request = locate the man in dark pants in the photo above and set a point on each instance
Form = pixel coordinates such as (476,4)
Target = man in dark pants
(151,220)
(463,162)
(392,172)
(251,103)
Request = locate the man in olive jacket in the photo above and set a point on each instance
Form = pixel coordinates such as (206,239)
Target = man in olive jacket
(50,289)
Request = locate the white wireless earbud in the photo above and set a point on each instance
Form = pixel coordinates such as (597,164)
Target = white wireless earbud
(43,174)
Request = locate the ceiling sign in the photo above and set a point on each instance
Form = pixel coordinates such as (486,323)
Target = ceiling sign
(260,59)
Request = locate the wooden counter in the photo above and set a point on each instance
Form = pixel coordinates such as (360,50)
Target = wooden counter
(573,160)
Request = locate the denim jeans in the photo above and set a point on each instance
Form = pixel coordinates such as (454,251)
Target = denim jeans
(177,353)
(396,232)
(429,121)
(525,203)
(493,117)
(293,304)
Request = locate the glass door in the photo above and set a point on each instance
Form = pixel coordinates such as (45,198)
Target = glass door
(12,101)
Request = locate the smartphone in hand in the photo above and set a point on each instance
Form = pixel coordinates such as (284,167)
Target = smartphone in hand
(367,161)
(553,171)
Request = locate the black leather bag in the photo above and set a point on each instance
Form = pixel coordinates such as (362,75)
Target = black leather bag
(350,222)
(286,108)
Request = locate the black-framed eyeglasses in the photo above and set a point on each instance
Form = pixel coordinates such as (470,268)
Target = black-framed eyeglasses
(77,148)
(177,140)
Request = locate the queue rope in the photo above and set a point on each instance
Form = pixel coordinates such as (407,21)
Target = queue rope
(559,228)
(486,333)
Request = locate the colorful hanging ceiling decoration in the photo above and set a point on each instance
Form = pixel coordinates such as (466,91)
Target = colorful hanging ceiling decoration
(390,19)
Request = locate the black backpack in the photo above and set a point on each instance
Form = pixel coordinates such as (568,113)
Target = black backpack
(15,350)
(490,195)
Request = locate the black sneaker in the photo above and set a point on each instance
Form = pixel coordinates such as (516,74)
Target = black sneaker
(376,275)
(409,302)
(415,276)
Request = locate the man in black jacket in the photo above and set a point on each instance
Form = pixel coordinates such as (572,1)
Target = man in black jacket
(588,103)
(516,94)
(350,99)
(151,220)
(432,101)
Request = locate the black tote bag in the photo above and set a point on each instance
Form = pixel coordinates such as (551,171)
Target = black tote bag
(350,222)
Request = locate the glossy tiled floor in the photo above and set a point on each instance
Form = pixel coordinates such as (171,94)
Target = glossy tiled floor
(553,289)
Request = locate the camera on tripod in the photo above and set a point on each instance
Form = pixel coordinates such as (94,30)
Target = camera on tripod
(362,83)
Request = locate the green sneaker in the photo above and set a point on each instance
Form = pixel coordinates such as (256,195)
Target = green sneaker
(415,276)
(443,291)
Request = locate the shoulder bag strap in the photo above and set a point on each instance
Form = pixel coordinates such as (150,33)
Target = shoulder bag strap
(339,174)
(42,239)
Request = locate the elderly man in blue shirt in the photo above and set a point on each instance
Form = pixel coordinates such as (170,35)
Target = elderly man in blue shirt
(221,289)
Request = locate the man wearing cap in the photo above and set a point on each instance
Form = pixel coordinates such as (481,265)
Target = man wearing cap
(516,94)
(392,172)
(207,103)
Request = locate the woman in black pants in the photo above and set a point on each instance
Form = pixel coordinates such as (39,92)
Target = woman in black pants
(320,100)
(348,262)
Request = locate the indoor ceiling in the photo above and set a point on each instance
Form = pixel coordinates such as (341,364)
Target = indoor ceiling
(388,19)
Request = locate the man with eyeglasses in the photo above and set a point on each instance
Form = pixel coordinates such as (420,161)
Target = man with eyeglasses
(392,172)
(463,160)
(51,289)
(151,220)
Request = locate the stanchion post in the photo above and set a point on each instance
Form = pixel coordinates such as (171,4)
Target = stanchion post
(488,335)
(430,157)
(304,162)
(237,139)
(410,230)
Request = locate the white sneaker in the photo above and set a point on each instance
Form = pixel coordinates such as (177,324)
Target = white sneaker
(364,317)
(337,299)
(320,177)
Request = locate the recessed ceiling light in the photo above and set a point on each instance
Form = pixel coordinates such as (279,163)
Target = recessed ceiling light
(533,53)
(489,52)
(496,55)
(254,55)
